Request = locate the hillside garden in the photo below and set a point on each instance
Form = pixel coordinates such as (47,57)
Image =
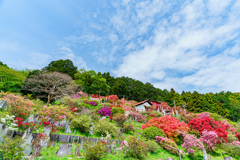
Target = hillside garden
(145,135)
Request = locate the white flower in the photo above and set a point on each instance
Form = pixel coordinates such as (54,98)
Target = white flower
(14,125)
(3,120)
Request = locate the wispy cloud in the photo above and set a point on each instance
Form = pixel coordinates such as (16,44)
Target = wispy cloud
(192,47)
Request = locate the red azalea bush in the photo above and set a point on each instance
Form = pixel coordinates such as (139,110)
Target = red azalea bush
(112,98)
(169,125)
(237,135)
(20,107)
(19,121)
(209,124)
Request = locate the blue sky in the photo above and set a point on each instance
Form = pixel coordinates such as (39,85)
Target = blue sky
(185,45)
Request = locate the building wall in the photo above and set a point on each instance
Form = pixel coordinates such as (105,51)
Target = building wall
(141,107)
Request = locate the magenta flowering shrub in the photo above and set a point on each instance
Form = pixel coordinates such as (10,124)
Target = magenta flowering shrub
(204,115)
(105,111)
(93,103)
(191,143)
(210,138)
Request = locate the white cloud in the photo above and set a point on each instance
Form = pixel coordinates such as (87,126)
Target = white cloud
(67,53)
(193,47)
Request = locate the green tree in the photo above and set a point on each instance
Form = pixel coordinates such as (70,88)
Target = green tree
(11,80)
(63,66)
(92,82)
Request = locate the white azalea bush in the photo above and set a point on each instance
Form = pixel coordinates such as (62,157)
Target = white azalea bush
(9,122)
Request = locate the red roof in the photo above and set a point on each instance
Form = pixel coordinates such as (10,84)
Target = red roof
(139,103)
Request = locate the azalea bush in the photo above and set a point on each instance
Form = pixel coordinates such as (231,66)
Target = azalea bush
(165,143)
(112,98)
(115,110)
(105,111)
(188,117)
(120,119)
(232,149)
(103,126)
(134,148)
(95,151)
(209,124)
(20,107)
(8,121)
(140,117)
(191,143)
(57,113)
(81,123)
(128,128)
(152,132)
(210,139)
(169,125)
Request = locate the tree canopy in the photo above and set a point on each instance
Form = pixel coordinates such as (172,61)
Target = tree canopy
(63,66)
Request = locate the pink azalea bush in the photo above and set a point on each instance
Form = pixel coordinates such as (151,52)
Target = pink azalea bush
(191,143)
(210,138)
(204,115)
(139,116)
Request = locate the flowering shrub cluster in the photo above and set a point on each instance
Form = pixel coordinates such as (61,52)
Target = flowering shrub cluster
(134,148)
(75,96)
(47,124)
(8,122)
(188,117)
(165,142)
(128,128)
(112,98)
(139,116)
(210,138)
(209,124)
(204,115)
(191,143)
(169,125)
(57,113)
(119,119)
(105,111)
(20,107)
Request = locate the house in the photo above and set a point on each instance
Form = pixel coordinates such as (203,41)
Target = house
(147,105)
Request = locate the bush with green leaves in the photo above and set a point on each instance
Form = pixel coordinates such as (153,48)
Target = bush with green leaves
(128,128)
(152,146)
(101,105)
(115,110)
(152,132)
(120,119)
(11,148)
(231,149)
(216,116)
(81,123)
(95,151)
(135,148)
(156,113)
(231,138)
(103,126)
(95,116)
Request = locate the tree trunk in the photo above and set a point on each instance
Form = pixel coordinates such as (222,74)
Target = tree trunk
(49,99)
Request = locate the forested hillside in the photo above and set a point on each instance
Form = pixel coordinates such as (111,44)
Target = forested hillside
(226,104)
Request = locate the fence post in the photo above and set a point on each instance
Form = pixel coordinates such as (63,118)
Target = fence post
(179,154)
